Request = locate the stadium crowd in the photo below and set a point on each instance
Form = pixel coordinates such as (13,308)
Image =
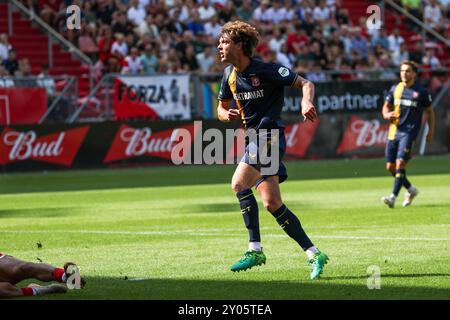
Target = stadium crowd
(169,36)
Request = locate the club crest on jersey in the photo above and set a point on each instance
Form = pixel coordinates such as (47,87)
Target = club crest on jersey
(284,72)
(415,94)
(255,81)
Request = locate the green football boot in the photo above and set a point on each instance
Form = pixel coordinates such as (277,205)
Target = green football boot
(317,264)
(249,260)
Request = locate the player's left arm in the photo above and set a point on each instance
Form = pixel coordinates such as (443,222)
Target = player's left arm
(307,87)
(430,120)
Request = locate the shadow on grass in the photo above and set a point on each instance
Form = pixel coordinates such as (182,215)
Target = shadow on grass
(183,289)
(39,212)
(417,275)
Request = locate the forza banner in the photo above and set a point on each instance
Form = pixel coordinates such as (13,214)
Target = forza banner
(164,97)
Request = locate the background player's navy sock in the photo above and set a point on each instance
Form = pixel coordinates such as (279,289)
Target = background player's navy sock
(291,225)
(399,181)
(249,210)
(406,182)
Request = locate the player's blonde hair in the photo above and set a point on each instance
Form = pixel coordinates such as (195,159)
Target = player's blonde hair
(243,32)
(410,63)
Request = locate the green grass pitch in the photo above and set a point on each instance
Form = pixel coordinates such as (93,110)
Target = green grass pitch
(173,232)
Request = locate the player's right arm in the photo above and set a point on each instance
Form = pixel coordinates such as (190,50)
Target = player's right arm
(387,113)
(225,114)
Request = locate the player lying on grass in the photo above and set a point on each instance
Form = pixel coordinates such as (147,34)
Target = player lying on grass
(13,270)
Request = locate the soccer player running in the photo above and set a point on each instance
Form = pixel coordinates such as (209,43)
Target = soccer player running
(258,90)
(13,270)
(403,107)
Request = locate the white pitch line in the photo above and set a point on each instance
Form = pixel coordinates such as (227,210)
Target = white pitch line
(196,233)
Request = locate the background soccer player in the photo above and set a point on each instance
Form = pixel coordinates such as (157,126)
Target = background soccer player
(13,270)
(257,89)
(404,107)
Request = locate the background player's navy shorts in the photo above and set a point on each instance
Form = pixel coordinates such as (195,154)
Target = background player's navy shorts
(399,148)
(251,149)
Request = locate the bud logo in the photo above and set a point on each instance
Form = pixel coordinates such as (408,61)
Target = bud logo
(299,137)
(136,142)
(363,134)
(58,148)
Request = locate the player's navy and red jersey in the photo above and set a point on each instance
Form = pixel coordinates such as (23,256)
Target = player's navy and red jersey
(258,91)
(409,104)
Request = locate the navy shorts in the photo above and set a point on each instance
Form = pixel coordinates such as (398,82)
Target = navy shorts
(271,165)
(400,148)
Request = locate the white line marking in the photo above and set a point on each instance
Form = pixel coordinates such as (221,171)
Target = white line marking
(206,234)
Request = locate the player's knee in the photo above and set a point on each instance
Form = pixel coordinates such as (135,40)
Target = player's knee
(401,164)
(237,187)
(272,204)
(390,167)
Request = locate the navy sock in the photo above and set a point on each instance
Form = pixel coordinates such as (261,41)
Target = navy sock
(399,181)
(291,225)
(249,210)
(406,182)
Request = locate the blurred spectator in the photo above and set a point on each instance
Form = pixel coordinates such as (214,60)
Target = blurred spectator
(196,24)
(120,24)
(227,12)
(148,27)
(46,81)
(50,9)
(149,60)
(119,47)
(359,45)
(11,64)
(136,13)
(296,42)
(206,59)
(89,15)
(412,6)
(5,80)
(245,11)
(86,41)
(275,14)
(308,24)
(322,12)
(416,54)
(381,39)
(105,44)
(430,60)
(205,11)
(5,46)
(395,40)
(165,43)
(432,14)
(400,55)
(277,41)
(24,71)
(189,59)
(386,72)
(105,10)
(260,13)
(213,27)
(132,63)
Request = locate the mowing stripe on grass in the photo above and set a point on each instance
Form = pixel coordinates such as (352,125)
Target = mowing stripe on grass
(205,234)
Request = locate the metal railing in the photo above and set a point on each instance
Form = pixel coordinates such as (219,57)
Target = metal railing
(100,100)
(52,34)
(61,92)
